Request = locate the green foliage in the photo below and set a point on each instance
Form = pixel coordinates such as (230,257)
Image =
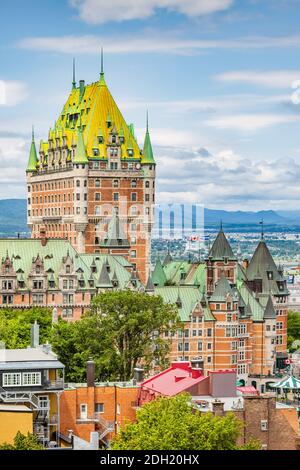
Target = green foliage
(122,330)
(15,326)
(174,424)
(23,442)
(293,329)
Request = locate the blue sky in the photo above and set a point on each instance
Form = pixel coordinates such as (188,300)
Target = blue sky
(216,76)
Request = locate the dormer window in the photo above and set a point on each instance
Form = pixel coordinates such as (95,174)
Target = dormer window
(68,269)
(130,152)
(100,139)
(270,275)
(96,152)
(113,139)
(122,139)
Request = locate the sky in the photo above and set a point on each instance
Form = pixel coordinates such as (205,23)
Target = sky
(220,78)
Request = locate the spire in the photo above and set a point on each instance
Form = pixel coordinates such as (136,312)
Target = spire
(74,75)
(102,79)
(262,229)
(147,151)
(33,159)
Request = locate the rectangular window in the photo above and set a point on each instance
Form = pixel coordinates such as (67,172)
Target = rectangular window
(11,380)
(31,378)
(209,332)
(133,197)
(99,407)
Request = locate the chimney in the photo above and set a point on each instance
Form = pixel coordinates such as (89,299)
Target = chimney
(245,263)
(218,408)
(35,335)
(43,236)
(138,375)
(90,372)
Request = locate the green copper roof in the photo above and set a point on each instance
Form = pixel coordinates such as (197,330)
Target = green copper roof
(33,159)
(270,312)
(80,152)
(190,298)
(158,275)
(221,248)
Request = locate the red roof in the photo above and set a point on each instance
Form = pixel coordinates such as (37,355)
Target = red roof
(178,378)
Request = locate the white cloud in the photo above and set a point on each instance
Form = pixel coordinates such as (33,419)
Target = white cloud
(270,79)
(250,122)
(226,180)
(12,92)
(155,43)
(102,11)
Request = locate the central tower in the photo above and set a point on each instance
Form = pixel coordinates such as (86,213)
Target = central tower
(91,181)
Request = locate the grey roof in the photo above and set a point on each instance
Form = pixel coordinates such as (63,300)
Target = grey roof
(221,248)
(115,236)
(31,358)
(221,291)
(149,285)
(262,262)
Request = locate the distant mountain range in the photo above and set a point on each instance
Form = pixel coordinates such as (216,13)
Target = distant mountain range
(13,214)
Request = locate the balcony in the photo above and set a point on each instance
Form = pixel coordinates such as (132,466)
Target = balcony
(54,384)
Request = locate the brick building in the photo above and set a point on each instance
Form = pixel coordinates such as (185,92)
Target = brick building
(97,407)
(89,169)
(234,316)
(51,273)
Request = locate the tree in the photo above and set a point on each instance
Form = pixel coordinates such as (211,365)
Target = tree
(293,329)
(23,442)
(174,424)
(15,326)
(122,330)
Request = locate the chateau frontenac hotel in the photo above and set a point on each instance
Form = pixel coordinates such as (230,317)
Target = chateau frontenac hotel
(89,169)
(91,195)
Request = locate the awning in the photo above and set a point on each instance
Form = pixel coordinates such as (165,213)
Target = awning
(248,390)
(289,383)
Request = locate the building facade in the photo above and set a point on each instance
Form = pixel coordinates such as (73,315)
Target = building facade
(51,273)
(89,169)
(233,315)
(33,378)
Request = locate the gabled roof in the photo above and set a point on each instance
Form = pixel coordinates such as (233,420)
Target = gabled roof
(177,379)
(221,248)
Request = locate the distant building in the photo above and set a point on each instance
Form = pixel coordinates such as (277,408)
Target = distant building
(33,378)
